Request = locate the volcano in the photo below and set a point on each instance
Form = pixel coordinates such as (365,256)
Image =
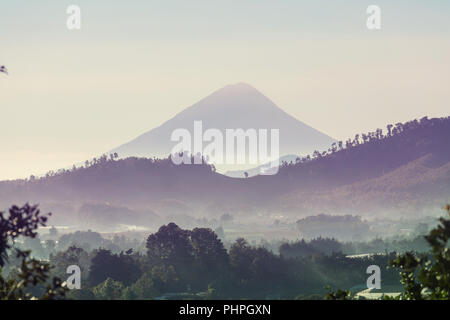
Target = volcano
(237,106)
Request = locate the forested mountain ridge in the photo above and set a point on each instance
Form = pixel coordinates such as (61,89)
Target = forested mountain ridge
(371,167)
(374,154)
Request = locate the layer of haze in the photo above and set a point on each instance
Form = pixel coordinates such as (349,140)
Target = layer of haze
(72,95)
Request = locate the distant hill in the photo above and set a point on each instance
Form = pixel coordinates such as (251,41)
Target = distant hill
(404,169)
(416,188)
(410,164)
(238,106)
(375,154)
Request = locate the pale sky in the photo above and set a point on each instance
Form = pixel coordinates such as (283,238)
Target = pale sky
(72,95)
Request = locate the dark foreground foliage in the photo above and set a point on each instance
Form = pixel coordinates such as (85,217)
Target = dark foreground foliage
(33,275)
(194,264)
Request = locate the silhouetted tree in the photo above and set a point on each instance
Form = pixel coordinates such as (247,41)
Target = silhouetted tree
(121,267)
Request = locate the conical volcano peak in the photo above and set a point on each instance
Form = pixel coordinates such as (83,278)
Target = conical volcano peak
(240,88)
(235,106)
(238,96)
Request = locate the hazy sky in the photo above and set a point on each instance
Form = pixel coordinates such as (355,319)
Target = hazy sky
(72,95)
